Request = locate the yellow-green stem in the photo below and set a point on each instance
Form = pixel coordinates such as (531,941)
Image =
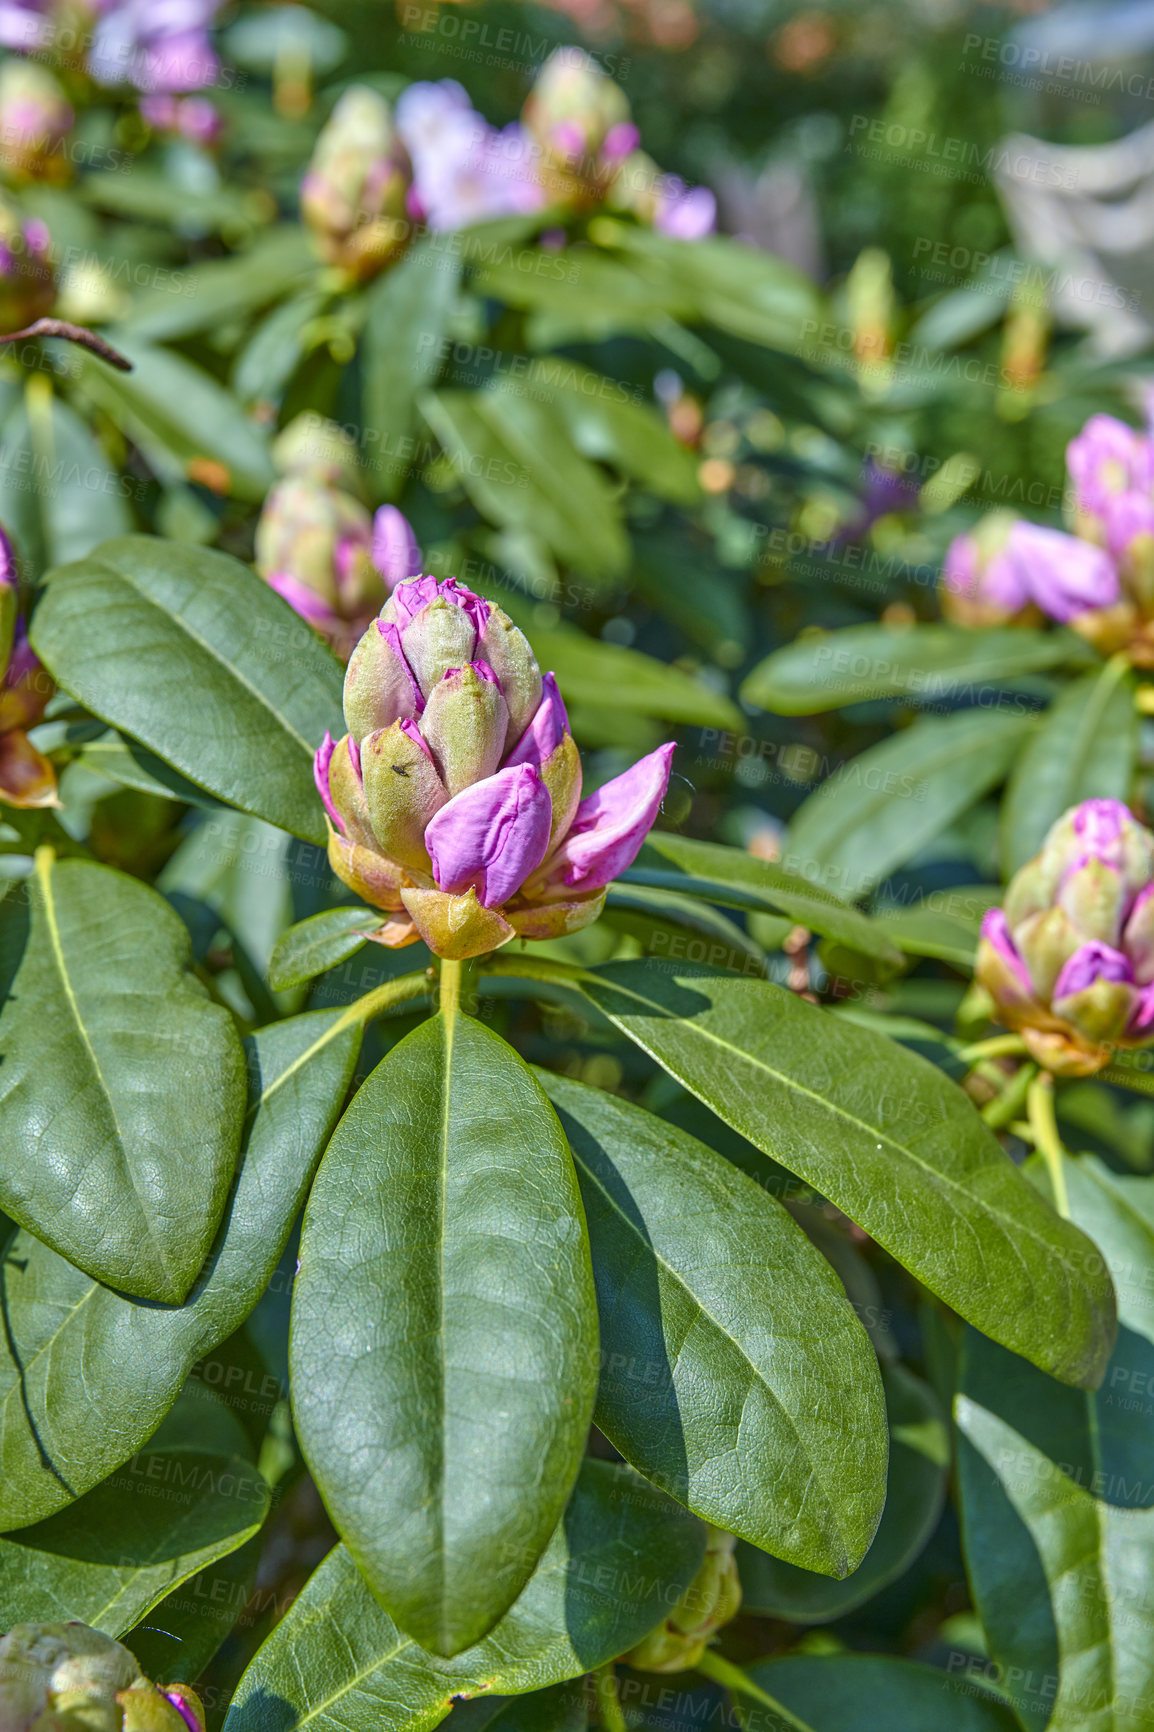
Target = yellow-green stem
(458,986)
(1006,1106)
(612,1719)
(722,1671)
(1044,1130)
(999,1046)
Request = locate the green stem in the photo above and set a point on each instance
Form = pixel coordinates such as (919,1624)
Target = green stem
(1044,1128)
(394,993)
(608,1703)
(1008,1105)
(1000,1046)
(723,1671)
(458,986)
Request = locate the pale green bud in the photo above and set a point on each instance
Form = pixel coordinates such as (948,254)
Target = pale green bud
(465,723)
(402,790)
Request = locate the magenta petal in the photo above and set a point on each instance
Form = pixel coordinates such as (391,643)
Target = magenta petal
(491,835)
(610,826)
(409,597)
(1142,1016)
(409,679)
(9,565)
(1089,963)
(1064,575)
(184,1708)
(302,599)
(321,762)
(996,932)
(395,551)
(545,732)
(412,732)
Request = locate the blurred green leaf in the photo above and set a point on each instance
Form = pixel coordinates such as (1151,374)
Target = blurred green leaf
(209,294)
(401,354)
(314,945)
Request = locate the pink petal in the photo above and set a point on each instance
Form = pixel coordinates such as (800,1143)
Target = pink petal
(491,835)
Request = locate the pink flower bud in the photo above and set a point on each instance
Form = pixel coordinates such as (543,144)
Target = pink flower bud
(395,551)
(491,836)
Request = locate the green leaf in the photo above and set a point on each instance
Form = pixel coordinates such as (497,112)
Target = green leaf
(59,496)
(916,1489)
(619,1558)
(885,806)
(881,1133)
(179,416)
(682,927)
(86,1375)
(949,932)
(134,766)
(108,1559)
(192,654)
(873,1693)
(320,942)
(218,291)
(446,1442)
(1084,750)
(562,1708)
(266,364)
(610,424)
(740,880)
(921,663)
(517,464)
(401,355)
(122,1089)
(186,1628)
(735,1374)
(584,293)
(1057,1506)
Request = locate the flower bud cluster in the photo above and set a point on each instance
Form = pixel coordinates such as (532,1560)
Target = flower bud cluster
(1099,579)
(316,543)
(27,778)
(353,196)
(1069,958)
(35,119)
(67,1677)
(454,800)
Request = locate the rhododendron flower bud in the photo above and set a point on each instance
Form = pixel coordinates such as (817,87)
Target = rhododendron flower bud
(464,170)
(27,778)
(453,801)
(1107,460)
(156,47)
(353,196)
(55,1677)
(314,540)
(710,1601)
(1069,958)
(1064,575)
(581,122)
(35,120)
(662,200)
(27,280)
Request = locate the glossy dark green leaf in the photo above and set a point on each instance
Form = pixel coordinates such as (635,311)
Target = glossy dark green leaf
(122,1089)
(1058,1497)
(180,416)
(444,1336)
(401,355)
(59,496)
(945,927)
(108,1559)
(519,467)
(134,766)
(1084,750)
(319,942)
(178,1638)
(765,884)
(86,1376)
(682,928)
(922,663)
(882,808)
(561,1708)
(620,1557)
(734,1373)
(192,654)
(873,1693)
(916,1489)
(881,1133)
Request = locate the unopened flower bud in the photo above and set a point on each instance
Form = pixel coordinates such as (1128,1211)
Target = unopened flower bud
(69,1678)
(581,121)
(711,1600)
(353,196)
(439,804)
(35,120)
(1069,959)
